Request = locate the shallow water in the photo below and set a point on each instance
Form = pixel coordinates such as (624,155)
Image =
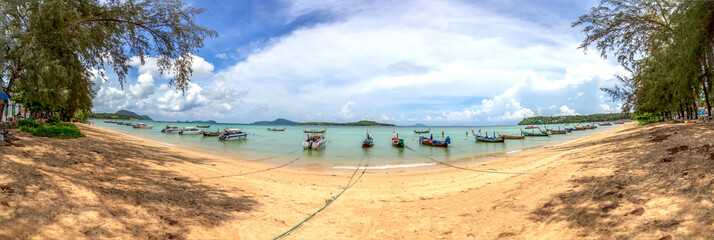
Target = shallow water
(344,148)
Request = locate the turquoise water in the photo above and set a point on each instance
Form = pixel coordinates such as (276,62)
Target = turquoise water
(344,149)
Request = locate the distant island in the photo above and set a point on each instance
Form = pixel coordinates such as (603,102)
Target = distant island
(418,125)
(279,121)
(360,123)
(602,117)
(121,115)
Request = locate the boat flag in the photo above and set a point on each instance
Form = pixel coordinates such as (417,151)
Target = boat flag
(431,137)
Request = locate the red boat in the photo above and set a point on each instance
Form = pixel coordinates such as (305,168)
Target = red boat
(531,127)
(619,123)
(435,143)
(605,124)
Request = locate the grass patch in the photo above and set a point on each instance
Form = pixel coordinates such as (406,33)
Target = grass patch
(56,130)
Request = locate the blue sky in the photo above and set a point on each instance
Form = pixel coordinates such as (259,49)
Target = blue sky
(403,62)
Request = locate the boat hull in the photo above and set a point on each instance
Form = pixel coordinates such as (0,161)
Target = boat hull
(231,137)
(535,134)
(319,144)
(433,143)
(512,137)
(314,131)
(490,140)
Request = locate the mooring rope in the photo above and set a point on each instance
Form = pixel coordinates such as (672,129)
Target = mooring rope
(348,186)
(459,167)
(263,170)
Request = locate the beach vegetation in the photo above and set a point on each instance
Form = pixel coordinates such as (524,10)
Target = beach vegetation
(53,50)
(28,123)
(54,130)
(358,123)
(665,45)
(602,117)
(647,118)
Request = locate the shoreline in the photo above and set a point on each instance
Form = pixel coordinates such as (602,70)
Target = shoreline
(344,169)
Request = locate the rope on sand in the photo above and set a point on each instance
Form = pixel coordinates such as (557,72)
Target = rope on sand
(458,167)
(349,185)
(264,170)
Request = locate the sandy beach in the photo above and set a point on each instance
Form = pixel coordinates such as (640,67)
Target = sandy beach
(631,182)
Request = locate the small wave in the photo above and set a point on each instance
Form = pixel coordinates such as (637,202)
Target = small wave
(514,151)
(386,166)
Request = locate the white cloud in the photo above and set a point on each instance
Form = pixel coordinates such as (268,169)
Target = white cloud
(566,111)
(201,68)
(222,56)
(143,87)
(345,112)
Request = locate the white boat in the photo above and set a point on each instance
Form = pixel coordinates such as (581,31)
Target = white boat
(232,134)
(314,141)
(190,131)
(143,125)
(171,129)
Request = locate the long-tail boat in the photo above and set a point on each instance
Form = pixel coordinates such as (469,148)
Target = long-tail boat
(420,131)
(436,143)
(553,131)
(314,131)
(619,122)
(531,127)
(276,129)
(486,138)
(211,134)
(605,124)
(368,142)
(203,126)
(504,136)
(534,134)
(396,141)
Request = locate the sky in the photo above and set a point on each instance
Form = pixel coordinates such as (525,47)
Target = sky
(490,62)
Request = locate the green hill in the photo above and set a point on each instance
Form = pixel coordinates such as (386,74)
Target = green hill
(279,121)
(360,123)
(130,113)
(121,115)
(601,117)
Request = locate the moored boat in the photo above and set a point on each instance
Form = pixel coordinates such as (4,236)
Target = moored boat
(504,136)
(605,124)
(531,127)
(436,143)
(420,131)
(553,131)
(487,138)
(315,131)
(143,125)
(619,122)
(396,141)
(210,134)
(203,126)
(314,141)
(171,129)
(534,134)
(232,134)
(276,129)
(368,142)
(190,131)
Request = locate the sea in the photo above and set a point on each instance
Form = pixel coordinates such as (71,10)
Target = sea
(344,147)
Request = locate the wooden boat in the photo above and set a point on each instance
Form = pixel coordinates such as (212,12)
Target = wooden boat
(110,121)
(533,134)
(590,127)
(531,127)
(553,131)
(190,131)
(486,138)
(314,141)
(568,129)
(431,142)
(275,129)
(368,142)
(420,131)
(504,136)
(210,134)
(619,122)
(232,134)
(578,128)
(605,124)
(314,131)
(171,129)
(143,125)
(204,126)
(396,141)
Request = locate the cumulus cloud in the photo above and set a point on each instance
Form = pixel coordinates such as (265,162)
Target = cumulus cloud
(144,86)
(345,112)
(566,111)
(201,68)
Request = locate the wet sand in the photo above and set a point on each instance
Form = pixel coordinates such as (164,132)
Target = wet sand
(630,182)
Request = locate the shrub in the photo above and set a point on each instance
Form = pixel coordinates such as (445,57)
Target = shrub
(53,120)
(647,118)
(28,123)
(60,130)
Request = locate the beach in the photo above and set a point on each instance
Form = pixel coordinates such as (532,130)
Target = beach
(631,182)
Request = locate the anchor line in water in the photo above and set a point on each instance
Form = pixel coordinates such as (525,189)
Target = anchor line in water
(264,170)
(458,167)
(348,186)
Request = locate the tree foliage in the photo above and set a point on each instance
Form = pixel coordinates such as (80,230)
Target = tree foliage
(50,47)
(601,117)
(667,47)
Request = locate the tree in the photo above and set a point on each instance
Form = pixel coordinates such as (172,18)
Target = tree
(51,46)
